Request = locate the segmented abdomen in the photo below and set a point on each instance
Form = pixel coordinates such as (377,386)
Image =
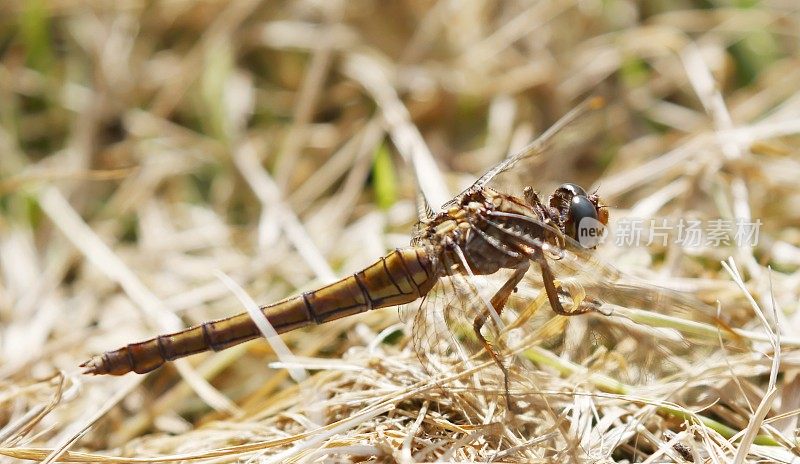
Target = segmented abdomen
(400,277)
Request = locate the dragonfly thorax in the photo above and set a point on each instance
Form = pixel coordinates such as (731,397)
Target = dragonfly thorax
(486,230)
(475,232)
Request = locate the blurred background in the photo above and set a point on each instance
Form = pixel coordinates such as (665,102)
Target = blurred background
(146,147)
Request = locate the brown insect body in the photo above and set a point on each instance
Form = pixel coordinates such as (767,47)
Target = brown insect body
(480,232)
(400,277)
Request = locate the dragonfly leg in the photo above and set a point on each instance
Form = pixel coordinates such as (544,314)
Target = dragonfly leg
(498,302)
(552,292)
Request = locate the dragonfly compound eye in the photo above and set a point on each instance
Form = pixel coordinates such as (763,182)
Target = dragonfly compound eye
(582,222)
(574,189)
(562,197)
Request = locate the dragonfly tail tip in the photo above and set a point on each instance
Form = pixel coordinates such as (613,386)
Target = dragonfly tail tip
(92,367)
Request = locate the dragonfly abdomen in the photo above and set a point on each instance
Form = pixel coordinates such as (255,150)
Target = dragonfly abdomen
(400,277)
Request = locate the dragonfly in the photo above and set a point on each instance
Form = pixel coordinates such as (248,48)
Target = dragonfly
(482,232)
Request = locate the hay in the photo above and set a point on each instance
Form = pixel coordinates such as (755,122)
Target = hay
(147,147)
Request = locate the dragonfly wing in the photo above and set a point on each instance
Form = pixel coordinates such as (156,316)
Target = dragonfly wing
(578,267)
(543,143)
(644,350)
(445,339)
(443,332)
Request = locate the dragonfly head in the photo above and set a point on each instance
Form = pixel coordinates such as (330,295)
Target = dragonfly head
(580,215)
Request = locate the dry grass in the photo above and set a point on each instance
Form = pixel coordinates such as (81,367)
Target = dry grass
(146,147)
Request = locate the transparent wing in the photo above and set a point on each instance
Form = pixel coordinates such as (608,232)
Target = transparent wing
(587,279)
(641,333)
(445,339)
(557,135)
